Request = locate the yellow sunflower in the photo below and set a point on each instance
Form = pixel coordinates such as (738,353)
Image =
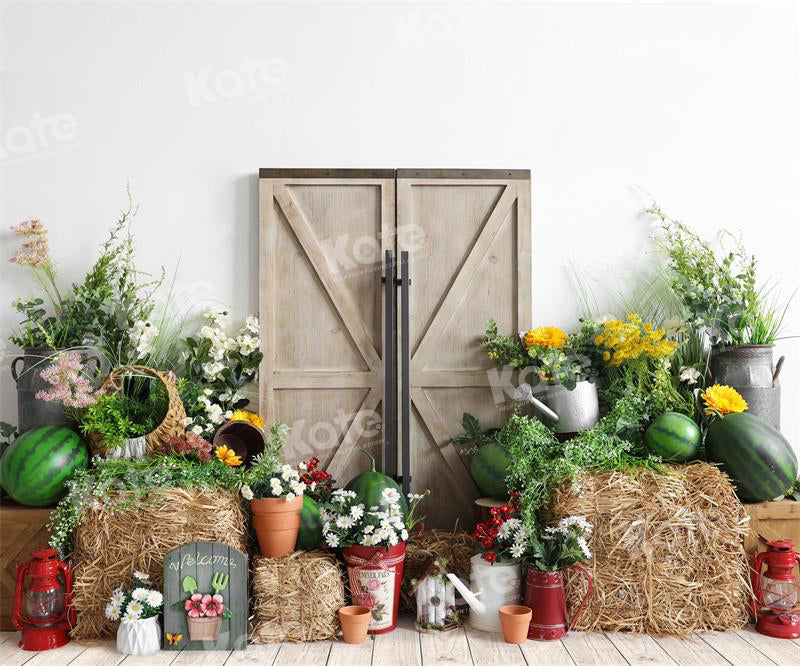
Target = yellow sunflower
(723,400)
(545,336)
(250,417)
(228,456)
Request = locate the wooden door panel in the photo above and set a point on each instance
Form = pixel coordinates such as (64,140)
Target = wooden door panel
(322,243)
(474,265)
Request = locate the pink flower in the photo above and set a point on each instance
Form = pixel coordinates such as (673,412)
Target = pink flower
(374,584)
(369,601)
(34,253)
(213,606)
(194,606)
(70,384)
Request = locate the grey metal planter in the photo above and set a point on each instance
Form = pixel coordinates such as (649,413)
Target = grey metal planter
(577,409)
(750,371)
(33,413)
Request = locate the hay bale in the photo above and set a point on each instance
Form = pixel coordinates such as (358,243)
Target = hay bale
(296,598)
(456,547)
(110,544)
(667,551)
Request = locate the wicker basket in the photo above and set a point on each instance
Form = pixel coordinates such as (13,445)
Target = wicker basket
(171,426)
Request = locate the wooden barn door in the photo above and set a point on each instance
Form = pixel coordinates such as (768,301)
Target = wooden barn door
(468,235)
(323,238)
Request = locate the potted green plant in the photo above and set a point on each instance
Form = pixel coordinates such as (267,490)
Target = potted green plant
(556,372)
(373,542)
(737,321)
(137,608)
(103,316)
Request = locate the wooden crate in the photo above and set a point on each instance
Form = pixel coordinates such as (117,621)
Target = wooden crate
(22,530)
(772,520)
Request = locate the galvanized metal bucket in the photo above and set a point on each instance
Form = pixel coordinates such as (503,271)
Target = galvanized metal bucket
(578,409)
(749,370)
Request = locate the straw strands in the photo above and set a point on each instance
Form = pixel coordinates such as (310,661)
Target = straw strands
(667,551)
(110,544)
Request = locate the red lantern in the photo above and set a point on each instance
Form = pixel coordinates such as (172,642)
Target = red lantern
(777,590)
(43,601)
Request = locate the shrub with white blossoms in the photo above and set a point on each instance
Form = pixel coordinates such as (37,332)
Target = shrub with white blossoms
(560,546)
(284,482)
(218,368)
(348,522)
(138,602)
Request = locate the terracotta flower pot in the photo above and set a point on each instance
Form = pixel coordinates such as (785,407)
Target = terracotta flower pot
(204,628)
(355,622)
(515,621)
(277,522)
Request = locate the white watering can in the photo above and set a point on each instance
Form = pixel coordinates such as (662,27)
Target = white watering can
(490,586)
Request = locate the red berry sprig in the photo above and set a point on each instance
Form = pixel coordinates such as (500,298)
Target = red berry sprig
(485,533)
(323,482)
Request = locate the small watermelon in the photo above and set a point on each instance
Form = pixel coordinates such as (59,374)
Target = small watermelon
(35,469)
(370,485)
(675,437)
(756,456)
(310,535)
(489,468)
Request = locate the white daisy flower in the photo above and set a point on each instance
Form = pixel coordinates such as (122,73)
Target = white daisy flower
(129,617)
(247,492)
(134,608)
(112,612)
(117,597)
(139,575)
(154,599)
(332,540)
(344,522)
(517,550)
(290,497)
(357,511)
(139,594)
(404,535)
(197,429)
(390,495)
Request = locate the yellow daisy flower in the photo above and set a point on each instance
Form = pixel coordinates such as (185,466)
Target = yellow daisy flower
(228,456)
(723,400)
(545,336)
(250,417)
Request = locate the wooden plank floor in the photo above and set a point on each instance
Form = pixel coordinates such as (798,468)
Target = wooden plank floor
(407,647)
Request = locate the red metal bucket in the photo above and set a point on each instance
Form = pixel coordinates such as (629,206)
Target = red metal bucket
(544,595)
(375,576)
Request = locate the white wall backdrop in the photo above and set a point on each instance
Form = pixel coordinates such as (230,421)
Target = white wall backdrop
(696,103)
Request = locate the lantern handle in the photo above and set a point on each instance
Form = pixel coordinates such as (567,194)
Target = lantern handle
(66,569)
(756,578)
(582,605)
(22,569)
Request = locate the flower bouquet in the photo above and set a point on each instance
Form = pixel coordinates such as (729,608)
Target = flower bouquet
(137,608)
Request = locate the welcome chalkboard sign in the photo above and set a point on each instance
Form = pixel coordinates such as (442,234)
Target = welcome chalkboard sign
(212,577)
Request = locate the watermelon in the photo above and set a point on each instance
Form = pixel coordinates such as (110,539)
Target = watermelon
(310,535)
(489,468)
(675,437)
(757,458)
(35,469)
(370,485)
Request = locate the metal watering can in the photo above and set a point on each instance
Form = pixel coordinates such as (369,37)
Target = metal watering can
(564,410)
(490,586)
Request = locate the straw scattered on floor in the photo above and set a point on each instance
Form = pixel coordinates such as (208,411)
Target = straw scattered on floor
(296,598)
(110,544)
(667,551)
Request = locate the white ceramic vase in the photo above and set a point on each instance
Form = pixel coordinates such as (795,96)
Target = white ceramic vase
(130,449)
(139,637)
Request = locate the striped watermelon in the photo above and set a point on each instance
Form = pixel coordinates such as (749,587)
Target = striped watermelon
(310,535)
(757,458)
(675,437)
(35,469)
(370,485)
(489,468)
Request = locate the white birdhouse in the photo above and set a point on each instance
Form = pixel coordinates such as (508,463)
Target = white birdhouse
(436,599)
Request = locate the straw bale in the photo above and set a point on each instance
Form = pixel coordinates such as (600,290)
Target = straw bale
(296,598)
(668,556)
(110,544)
(456,547)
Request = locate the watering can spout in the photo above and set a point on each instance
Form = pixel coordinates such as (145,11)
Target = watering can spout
(471,598)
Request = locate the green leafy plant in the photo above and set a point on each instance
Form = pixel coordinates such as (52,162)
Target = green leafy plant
(719,293)
(101,311)
(559,546)
(473,434)
(118,417)
(256,479)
